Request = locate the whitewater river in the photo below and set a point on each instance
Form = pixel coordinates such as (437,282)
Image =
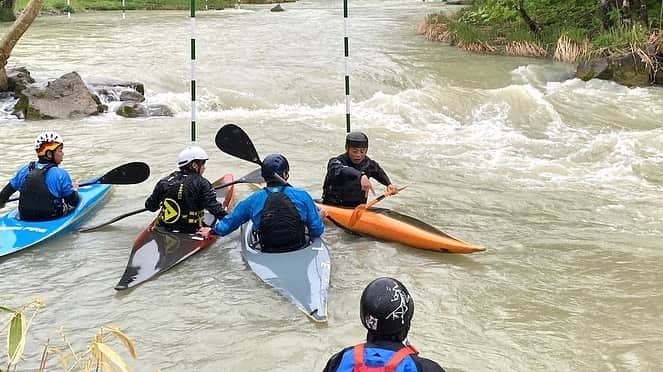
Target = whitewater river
(561,180)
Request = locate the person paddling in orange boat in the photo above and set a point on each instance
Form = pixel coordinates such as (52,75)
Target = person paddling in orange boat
(347,182)
(344,203)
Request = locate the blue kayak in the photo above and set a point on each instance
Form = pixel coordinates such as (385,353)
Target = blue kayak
(16,235)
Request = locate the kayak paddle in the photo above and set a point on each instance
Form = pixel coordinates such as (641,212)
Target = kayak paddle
(252,177)
(126,174)
(359,210)
(232,140)
(122,216)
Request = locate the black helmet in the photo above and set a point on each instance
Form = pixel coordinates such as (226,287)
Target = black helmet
(356,139)
(387,308)
(276,163)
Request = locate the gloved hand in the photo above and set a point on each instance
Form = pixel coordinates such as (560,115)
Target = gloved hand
(2,204)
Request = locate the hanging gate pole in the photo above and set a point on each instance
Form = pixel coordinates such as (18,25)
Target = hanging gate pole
(193,70)
(347,69)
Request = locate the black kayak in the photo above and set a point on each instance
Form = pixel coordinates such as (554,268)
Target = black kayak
(157,250)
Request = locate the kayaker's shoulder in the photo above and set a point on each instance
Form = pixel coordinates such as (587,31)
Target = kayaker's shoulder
(427,365)
(297,190)
(57,171)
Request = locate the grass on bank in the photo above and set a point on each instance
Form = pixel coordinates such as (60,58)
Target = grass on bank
(570,30)
(98,356)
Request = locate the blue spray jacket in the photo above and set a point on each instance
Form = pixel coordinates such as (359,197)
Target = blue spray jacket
(251,208)
(58,180)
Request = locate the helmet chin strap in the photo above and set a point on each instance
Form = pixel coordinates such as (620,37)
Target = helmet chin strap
(47,158)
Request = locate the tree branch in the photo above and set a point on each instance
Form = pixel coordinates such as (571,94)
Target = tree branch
(17,30)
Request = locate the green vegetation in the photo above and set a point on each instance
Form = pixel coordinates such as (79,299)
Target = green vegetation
(497,25)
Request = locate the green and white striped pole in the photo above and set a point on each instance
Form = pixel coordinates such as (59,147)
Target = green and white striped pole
(193,70)
(347,68)
(68,9)
(123,13)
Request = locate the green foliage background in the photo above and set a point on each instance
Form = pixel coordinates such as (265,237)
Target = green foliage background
(498,22)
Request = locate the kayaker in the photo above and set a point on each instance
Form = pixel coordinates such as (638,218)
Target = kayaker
(347,182)
(184,194)
(284,218)
(47,191)
(386,310)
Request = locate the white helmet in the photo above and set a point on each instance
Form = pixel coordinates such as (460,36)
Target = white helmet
(190,154)
(47,141)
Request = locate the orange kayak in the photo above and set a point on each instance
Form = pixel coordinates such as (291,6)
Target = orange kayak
(392,226)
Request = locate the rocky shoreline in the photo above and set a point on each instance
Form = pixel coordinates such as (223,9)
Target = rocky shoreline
(639,67)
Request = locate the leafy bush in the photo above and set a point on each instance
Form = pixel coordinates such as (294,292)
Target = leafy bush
(490,12)
(467,32)
(620,38)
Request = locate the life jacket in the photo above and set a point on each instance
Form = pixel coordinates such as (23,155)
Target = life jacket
(346,194)
(36,203)
(341,191)
(177,212)
(380,360)
(281,227)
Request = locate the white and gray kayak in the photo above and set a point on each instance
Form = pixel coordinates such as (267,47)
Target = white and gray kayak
(302,276)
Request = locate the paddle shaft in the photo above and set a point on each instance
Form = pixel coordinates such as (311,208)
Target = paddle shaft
(359,210)
(249,178)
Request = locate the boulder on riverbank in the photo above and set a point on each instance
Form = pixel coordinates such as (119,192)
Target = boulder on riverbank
(637,69)
(64,98)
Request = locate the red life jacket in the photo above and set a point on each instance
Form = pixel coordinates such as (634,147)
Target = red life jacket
(391,364)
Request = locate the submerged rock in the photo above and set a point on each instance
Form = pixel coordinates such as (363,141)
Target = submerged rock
(97,83)
(159,110)
(131,110)
(277,8)
(136,110)
(131,96)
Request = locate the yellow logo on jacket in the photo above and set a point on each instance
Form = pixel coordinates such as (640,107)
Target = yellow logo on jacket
(170,211)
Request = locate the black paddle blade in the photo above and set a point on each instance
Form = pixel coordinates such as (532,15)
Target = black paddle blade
(232,140)
(127,174)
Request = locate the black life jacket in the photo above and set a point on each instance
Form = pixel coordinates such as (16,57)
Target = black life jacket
(346,194)
(342,191)
(177,212)
(36,203)
(281,227)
